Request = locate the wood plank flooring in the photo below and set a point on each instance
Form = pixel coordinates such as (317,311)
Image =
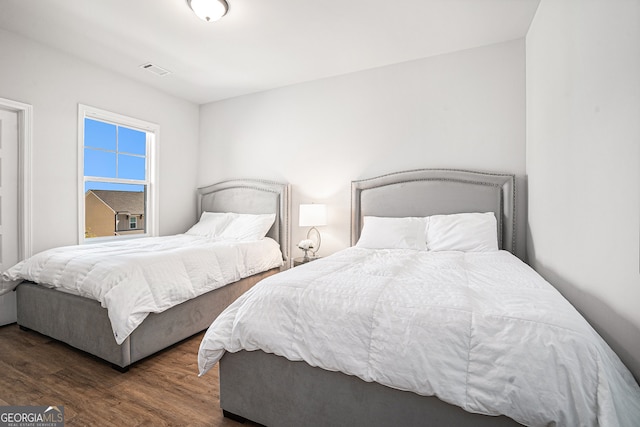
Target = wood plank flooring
(163,390)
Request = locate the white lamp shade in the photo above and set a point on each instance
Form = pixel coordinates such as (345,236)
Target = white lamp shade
(313,215)
(209,10)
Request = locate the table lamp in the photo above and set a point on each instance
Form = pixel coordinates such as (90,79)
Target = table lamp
(312,215)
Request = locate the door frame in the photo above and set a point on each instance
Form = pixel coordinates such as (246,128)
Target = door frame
(25,139)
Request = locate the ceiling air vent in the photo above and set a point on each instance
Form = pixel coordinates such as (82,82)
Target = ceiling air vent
(155,69)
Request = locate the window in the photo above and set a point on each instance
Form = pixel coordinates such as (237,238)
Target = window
(117,164)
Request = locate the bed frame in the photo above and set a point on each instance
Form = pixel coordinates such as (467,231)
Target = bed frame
(84,324)
(274,391)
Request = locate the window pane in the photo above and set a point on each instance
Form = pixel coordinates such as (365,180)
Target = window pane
(116,151)
(99,163)
(99,135)
(132,141)
(131,167)
(114,209)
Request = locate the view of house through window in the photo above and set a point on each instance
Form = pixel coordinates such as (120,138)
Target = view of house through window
(116,178)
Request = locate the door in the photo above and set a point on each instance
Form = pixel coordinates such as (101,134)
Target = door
(9,245)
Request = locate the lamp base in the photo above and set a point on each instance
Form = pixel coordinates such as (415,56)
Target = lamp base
(317,240)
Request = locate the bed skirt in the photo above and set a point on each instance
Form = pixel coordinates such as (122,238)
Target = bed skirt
(274,391)
(84,324)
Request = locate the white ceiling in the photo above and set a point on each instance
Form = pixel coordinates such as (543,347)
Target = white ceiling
(261,44)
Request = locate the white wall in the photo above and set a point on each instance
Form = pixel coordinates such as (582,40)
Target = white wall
(461,110)
(583,153)
(54,83)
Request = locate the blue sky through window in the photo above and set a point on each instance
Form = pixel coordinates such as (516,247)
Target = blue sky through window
(112,151)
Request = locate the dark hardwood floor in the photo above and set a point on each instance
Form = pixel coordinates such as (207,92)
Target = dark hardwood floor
(163,390)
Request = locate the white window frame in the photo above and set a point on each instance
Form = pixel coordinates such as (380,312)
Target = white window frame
(153,137)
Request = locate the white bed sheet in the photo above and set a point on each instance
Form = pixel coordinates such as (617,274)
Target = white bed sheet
(133,278)
(479,330)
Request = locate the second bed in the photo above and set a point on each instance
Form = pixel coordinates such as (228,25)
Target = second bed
(124,334)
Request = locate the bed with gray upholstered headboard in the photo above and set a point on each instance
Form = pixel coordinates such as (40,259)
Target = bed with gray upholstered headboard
(417,326)
(84,324)
(272,390)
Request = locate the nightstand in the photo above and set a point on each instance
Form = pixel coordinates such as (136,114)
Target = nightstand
(300,260)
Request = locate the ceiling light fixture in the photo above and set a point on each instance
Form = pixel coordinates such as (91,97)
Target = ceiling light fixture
(209,10)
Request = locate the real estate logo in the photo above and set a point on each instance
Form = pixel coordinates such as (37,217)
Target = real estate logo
(31,416)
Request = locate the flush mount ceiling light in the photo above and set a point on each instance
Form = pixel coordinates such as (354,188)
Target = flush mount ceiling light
(209,10)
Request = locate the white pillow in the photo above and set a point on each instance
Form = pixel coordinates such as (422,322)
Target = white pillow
(248,227)
(211,224)
(469,232)
(392,233)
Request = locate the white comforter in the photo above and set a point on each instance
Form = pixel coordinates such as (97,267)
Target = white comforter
(136,277)
(479,330)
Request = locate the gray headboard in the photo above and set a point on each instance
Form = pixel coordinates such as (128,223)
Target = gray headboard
(425,192)
(252,197)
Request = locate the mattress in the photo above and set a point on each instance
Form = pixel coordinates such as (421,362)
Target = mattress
(479,330)
(134,278)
